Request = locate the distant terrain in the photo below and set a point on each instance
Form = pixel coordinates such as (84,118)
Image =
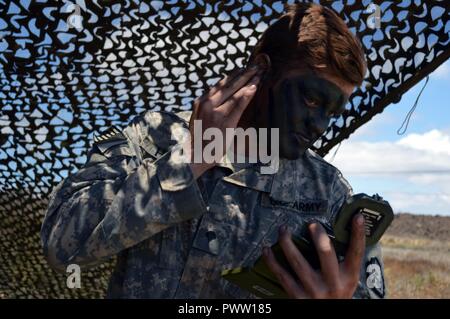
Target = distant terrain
(416,252)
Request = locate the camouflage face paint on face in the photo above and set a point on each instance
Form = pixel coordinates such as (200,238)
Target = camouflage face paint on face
(301,107)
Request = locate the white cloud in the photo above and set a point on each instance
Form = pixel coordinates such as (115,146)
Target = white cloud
(415,152)
(434,142)
(413,172)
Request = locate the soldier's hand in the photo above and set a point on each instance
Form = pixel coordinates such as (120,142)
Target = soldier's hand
(334,280)
(222,107)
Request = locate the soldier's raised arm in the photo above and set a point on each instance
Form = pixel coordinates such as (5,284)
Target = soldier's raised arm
(133,185)
(130,189)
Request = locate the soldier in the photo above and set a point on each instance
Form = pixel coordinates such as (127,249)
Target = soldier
(175,225)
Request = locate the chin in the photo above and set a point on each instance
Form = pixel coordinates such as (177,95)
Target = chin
(293,154)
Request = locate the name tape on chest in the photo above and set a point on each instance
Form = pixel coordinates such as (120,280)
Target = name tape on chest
(304,206)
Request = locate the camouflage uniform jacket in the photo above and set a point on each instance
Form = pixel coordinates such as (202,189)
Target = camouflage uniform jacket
(174,235)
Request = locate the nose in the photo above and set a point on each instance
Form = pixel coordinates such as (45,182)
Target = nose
(317,123)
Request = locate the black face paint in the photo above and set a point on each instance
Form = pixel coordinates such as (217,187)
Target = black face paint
(301,108)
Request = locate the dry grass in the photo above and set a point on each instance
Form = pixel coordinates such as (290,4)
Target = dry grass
(416,279)
(416,267)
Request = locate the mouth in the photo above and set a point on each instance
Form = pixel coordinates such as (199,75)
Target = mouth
(302,138)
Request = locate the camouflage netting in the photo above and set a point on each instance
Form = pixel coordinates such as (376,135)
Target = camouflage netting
(72,68)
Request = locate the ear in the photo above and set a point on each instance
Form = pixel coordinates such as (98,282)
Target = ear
(263,60)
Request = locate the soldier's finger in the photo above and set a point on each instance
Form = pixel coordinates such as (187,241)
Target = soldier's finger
(203,101)
(355,252)
(329,264)
(227,90)
(298,263)
(237,103)
(286,280)
(219,85)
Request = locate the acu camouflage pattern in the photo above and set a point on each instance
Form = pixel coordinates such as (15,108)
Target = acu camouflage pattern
(174,235)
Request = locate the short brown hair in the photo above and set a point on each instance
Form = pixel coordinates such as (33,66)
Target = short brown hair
(317,36)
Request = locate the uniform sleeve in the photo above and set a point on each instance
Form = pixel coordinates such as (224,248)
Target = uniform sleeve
(118,199)
(371,284)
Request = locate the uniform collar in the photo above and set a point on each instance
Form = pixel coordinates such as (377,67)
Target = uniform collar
(240,163)
(284,184)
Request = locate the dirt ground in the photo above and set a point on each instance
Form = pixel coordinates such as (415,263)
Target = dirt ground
(417,257)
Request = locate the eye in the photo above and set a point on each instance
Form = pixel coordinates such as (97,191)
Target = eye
(311,102)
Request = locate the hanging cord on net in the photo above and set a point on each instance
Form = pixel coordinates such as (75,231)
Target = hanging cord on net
(411,111)
(335,152)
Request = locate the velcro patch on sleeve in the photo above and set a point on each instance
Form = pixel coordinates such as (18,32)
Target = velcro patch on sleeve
(111,134)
